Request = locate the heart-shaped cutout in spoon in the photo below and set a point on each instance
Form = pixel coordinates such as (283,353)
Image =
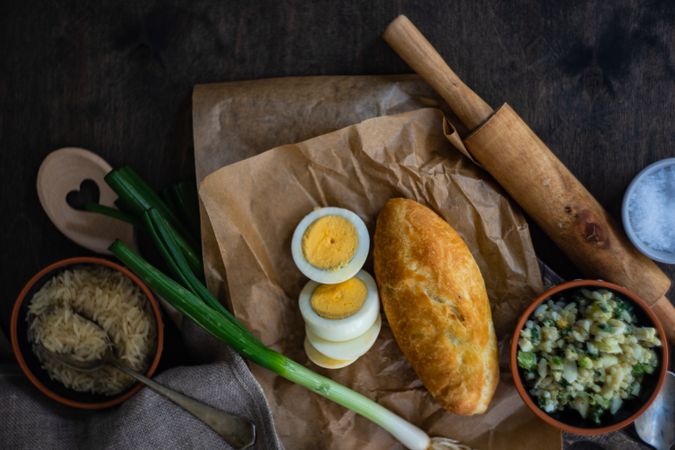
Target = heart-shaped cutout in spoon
(88,193)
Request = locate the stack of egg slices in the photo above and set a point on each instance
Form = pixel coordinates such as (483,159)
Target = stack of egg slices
(340,304)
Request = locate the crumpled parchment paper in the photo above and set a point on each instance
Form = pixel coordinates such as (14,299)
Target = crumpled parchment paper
(251,207)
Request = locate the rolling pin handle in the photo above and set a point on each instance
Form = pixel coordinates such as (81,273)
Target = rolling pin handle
(416,50)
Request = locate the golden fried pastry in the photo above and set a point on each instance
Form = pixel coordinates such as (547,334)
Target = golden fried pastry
(435,301)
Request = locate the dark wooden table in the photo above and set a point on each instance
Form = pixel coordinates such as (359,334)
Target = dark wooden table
(595,79)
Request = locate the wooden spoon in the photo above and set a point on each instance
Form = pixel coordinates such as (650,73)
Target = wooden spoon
(63,172)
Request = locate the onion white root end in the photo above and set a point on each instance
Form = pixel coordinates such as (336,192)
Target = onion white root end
(439,443)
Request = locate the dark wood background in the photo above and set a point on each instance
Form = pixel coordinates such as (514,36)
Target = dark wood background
(595,80)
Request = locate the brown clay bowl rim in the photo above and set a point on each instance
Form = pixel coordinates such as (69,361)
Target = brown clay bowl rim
(519,383)
(18,352)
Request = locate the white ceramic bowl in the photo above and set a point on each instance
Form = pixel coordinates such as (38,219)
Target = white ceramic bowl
(657,255)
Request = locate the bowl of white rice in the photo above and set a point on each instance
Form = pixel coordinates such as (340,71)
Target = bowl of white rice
(49,313)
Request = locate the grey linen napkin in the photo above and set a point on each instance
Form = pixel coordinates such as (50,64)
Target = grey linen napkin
(147,420)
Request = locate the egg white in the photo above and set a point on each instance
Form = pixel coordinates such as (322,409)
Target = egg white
(322,360)
(341,329)
(345,350)
(348,270)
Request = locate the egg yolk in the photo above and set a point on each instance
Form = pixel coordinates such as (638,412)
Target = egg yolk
(330,242)
(337,301)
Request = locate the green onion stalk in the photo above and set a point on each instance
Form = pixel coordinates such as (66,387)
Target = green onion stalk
(190,297)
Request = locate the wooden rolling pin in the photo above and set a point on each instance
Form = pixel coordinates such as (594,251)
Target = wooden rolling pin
(513,154)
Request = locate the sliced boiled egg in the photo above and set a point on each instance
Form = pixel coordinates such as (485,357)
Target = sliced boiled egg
(340,312)
(324,361)
(346,350)
(330,245)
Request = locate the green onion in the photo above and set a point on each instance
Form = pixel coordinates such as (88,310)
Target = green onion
(191,255)
(137,196)
(182,197)
(526,360)
(639,369)
(224,328)
(110,212)
(164,249)
(585,362)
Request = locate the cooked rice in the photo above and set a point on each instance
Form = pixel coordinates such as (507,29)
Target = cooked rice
(111,300)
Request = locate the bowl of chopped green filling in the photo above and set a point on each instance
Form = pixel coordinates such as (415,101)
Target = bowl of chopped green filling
(589,357)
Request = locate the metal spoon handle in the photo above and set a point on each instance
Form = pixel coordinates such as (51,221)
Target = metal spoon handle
(235,430)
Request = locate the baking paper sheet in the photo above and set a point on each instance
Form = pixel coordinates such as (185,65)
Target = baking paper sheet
(251,208)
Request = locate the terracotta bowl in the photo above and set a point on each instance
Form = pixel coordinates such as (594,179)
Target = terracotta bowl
(570,420)
(29,363)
